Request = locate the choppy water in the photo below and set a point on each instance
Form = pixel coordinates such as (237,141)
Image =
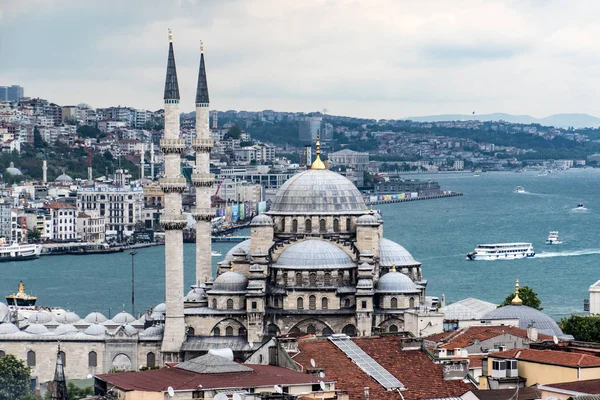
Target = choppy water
(439,233)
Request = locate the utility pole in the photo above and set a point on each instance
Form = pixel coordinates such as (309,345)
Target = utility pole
(132,254)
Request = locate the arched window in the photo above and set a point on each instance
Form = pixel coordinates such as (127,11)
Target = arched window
(191,331)
(300,303)
(308,226)
(347,303)
(2,353)
(31,358)
(284,278)
(348,224)
(394,303)
(276,302)
(341,278)
(393,328)
(92,359)
(312,302)
(349,330)
(312,279)
(324,303)
(294,225)
(230,304)
(298,278)
(242,331)
(272,330)
(229,331)
(311,330)
(214,304)
(327,279)
(322,226)
(336,225)
(411,302)
(327,331)
(63,357)
(217,332)
(151,360)
(282,224)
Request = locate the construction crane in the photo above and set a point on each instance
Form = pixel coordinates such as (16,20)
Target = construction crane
(214,199)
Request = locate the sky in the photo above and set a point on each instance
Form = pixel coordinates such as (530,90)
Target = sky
(364,58)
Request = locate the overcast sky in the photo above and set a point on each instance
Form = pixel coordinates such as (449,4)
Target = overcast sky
(367,58)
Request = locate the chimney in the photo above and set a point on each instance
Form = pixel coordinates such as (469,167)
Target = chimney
(532,334)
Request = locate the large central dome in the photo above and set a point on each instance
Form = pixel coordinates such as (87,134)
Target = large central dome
(318,192)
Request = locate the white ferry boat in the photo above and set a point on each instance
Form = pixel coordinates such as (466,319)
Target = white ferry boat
(18,252)
(519,189)
(502,251)
(216,254)
(553,238)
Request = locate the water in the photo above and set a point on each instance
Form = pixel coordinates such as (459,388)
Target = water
(439,233)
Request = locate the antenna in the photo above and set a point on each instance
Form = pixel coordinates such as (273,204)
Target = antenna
(313,363)
(170,391)
(555,339)
(322,384)
(321,374)
(277,388)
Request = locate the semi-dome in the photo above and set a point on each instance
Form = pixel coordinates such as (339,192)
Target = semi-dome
(8,328)
(242,247)
(196,295)
(261,220)
(230,282)
(396,282)
(65,329)
(153,331)
(64,178)
(527,316)
(11,170)
(314,253)
(95,330)
(95,318)
(123,318)
(36,329)
(68,317)
(391,253)
(367,219)
(40,317)
(318,192)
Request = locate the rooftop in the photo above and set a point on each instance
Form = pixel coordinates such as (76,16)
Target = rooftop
(467,309)
(551,357)
(591,386)
(528,393)
(466,337)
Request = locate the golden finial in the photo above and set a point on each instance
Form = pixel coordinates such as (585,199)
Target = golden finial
(371,211)
(318,164)
(393,267)
(516,300)
(231,266)
(201,46)
(170,35)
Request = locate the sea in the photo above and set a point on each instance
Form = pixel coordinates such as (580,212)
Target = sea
(438,233)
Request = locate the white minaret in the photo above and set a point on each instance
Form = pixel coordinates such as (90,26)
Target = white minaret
(44,172)
(172,221)
(152,160)
(202,179)
(142,162)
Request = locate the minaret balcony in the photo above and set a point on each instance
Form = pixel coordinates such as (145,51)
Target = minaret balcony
(172,146)
(173,222)
(200,179)
(204,214)
(202,145)
(173,185)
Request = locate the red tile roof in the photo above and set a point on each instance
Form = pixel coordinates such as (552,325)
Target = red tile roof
(466,337)
(554,357)
(57,204)
(476,361)
(591,386)
(160,379)
(418,373)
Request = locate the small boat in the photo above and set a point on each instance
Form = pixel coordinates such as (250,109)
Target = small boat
(553,238)
(216,254)
(501,251)
(21,299)
(580,207)
(519,189)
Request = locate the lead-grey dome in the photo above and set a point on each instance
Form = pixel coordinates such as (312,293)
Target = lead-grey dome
(396,282)
(95,330)
(261,220)
(8,328)
(196,295)
(64,178)
(11,170)
(36,329)
(123,318)
(153,331)
(243,247)
(65,329)
(367,219)
(68,317)
(527,316)
(318,192)
(40,317)
(391,253)
(314,253)
(95,318)
(230,282)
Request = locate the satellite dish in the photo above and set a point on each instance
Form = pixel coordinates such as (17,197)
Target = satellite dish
(236,396)
(277,388)
(221,396)
(312,363)
(555,339)
(322,384)
(90,376)
(170,391)
(322,374)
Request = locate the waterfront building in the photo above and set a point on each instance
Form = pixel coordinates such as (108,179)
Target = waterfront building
(91,227)
(63,221)
(349,158)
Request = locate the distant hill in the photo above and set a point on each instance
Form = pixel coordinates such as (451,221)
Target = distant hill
(558,120)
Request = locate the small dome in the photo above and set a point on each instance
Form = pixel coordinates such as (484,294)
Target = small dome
(64,178)
(243,247)
(527,316)
(391,253)
(314,253)
(230,282)
(396,282)
(8,328)
(123,318)
(153,331)
(196,295)
(95,318)
(95,330)
(379,217)
(130,330)
(367,220)
(261,220)
(3,312)
(68,317)
(36,329)
(364,284)
(160,308)
(11,170)
(40,317)
(65,329)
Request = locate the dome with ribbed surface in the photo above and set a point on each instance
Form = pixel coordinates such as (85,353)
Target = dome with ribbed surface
(527,316)
(196,295)
(40,317)
(95,330)
(64,178)
(65,329)
(367,220)
(95,318)
(318,192)
(261,220)
(242,247)
(153,331)
(230,282)
(314,253)
(391,253)
(11,170)
(36,329)
(396,282)
(8,328)
(68,317)
(123,318)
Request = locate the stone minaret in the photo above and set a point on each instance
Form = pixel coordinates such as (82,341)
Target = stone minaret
(172,221)
(59,385)
(202,179)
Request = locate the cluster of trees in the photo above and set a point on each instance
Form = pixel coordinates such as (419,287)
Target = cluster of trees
(527,296)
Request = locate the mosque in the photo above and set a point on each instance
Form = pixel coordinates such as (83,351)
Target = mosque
(316,263)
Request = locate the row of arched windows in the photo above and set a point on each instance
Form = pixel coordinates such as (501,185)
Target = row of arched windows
(92,358)
(312,303)
(312,278)
(322,225)
(394,303)
(229,331)
(229,304)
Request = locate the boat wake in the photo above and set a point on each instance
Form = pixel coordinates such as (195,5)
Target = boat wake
(568,253)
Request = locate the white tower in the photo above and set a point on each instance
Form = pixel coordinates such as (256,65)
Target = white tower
(202,179)
(152,160)
(44,172)
(142,161)
(172,221)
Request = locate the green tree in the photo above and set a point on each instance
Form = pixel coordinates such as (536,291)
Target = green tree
(15,378)
(527,295)
(33,234)
(234,132)
(89,131)
(38,142)
(582,327)
(76,393)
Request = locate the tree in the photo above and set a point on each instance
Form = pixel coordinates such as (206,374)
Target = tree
(234,132)
(15,380)
(38,142)
(582,327)
(76,393)
(33,235)
(528,296)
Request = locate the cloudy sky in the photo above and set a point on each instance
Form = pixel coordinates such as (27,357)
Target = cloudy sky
(368,58)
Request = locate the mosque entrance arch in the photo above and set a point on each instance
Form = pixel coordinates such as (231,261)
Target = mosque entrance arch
(312,326)
(121,362)
(349,330)
(392,325)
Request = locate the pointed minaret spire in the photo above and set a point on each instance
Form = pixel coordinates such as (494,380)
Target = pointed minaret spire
(171,85)
(59,385)
(202,90)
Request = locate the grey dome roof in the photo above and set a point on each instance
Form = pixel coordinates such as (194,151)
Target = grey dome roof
(65,329)
(230,282)
(314,253)
(68,317)
(36,329)
(63,178)
(367,219)
(526,316)
(364,284)
(391,253)
(8,328)
(95,318)
(130,329)
(396,282)
(261,220)
(123,318)
(3,311)
(197,294)
(153,331)
(379,217)
(243,247)
(95,330)
(40,317)
(318,192)
(160,308)
(11,170)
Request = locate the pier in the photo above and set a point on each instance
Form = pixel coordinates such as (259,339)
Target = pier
(428,197)
(218,239)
